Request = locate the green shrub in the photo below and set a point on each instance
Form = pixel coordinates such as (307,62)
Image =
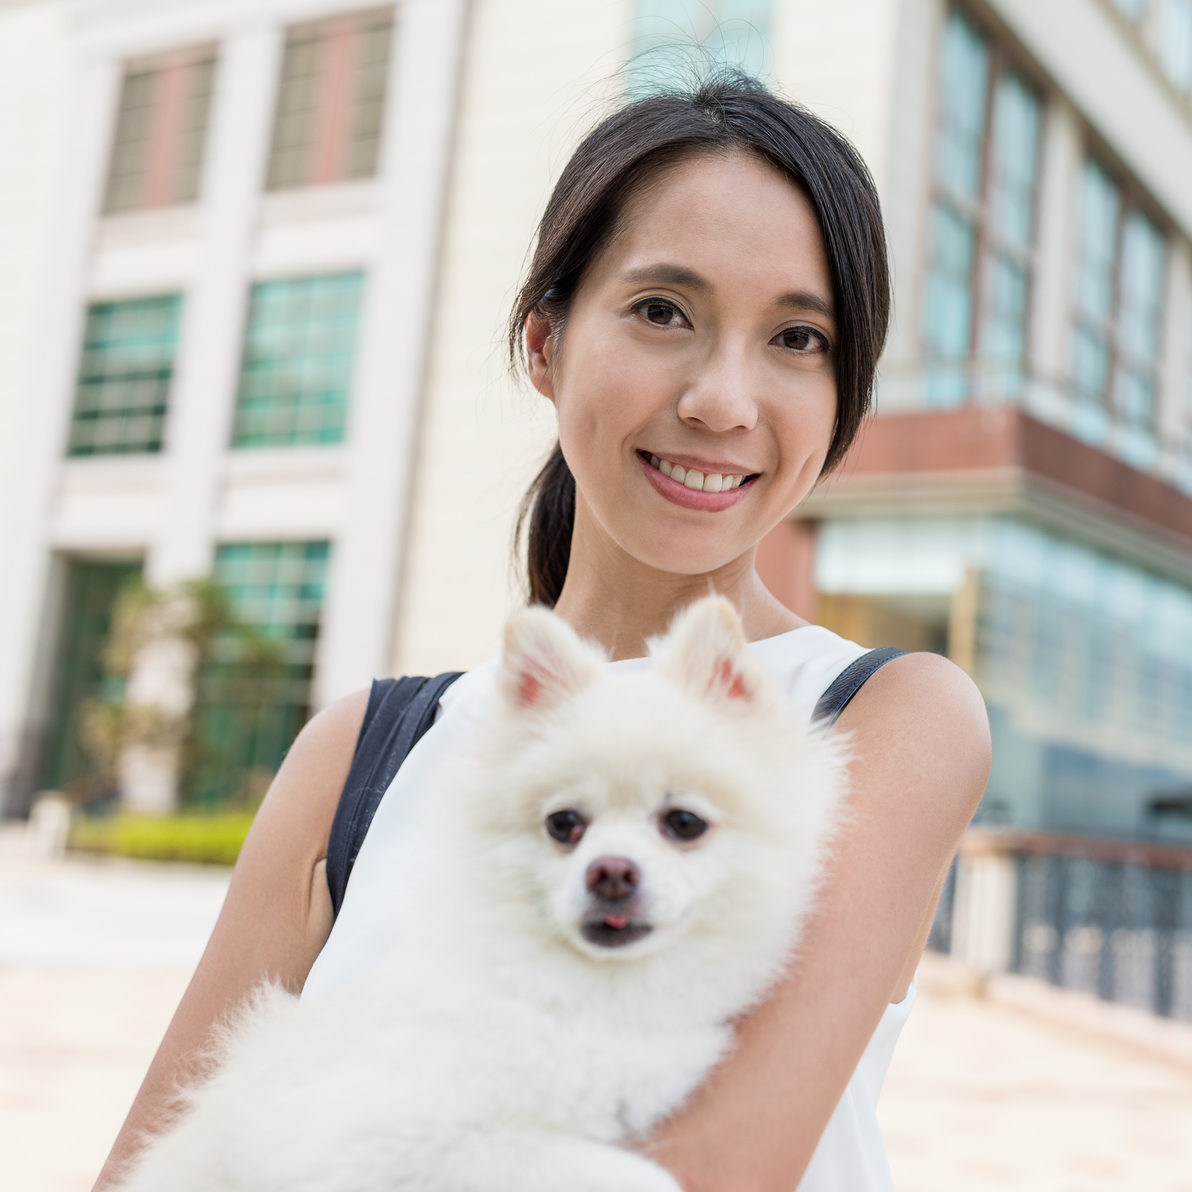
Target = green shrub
(203,839)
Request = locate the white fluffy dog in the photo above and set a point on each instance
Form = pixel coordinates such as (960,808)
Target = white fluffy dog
(621,866)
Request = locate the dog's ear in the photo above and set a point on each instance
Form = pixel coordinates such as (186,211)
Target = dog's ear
(704,650)
(544,661)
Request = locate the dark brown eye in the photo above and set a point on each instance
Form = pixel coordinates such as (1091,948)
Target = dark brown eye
(565,826)
(683,825)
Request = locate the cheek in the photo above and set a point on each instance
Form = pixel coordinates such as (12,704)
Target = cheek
(806,423)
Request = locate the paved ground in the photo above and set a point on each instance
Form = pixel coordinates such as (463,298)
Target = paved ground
(1025,1089)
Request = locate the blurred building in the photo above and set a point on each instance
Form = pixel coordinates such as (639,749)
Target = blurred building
(262,256)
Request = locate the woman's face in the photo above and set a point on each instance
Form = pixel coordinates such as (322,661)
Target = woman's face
(701,339)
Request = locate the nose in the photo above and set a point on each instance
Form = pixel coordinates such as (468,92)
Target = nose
(721,396)
(613,879)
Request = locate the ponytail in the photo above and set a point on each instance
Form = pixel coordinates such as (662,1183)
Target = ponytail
(549,509)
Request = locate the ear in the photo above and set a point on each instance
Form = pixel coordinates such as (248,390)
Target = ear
(540,352)
(705,651)
(544,661)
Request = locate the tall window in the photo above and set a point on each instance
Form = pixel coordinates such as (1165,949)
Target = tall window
(1119,308)
(328,122)
(982,221)
(299,352)
(277,587)
(676,41)
(124,378)
(161,125)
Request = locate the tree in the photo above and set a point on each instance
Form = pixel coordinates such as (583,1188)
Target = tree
(171,655)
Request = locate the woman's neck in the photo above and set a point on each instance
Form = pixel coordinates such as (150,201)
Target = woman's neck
(622,606)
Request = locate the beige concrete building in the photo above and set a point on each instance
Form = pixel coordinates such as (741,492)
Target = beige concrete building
(262,255)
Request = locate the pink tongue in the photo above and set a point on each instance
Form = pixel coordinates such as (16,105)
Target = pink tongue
(617,921)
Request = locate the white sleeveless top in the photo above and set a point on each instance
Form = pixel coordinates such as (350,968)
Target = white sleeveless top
(850,1154)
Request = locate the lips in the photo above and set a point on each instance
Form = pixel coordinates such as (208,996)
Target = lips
(679,493)
(614,931)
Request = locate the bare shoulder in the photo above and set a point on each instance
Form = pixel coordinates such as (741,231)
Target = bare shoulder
(920,724)
(300,805)
(281,871)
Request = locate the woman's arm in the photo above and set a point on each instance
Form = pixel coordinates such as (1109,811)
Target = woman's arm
(275,918)
(921,755)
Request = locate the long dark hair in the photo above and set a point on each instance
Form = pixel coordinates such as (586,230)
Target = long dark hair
(621,154)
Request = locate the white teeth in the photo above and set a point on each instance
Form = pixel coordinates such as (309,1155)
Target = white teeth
(712,482)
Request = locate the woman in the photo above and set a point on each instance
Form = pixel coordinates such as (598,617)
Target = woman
(705,309)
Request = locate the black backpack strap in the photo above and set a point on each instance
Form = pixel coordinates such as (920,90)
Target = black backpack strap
(399,712)
(849,682)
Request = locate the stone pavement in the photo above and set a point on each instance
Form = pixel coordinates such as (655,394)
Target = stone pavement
(1024,1088)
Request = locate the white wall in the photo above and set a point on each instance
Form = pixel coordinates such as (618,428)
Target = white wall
(35,96)
(531,86)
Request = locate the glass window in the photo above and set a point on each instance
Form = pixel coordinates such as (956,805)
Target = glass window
(327,126)
(299,351)
(982,221)
(161,125)
(126,366)
(278,587)
(1119,307)
(676,42)
(1175,42)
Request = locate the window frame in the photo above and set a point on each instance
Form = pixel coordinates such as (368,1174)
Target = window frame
(320,30)
(186,58)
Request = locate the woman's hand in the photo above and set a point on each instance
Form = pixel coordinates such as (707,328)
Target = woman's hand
(921,755)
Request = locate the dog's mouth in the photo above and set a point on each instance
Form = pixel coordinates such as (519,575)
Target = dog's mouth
(614,931)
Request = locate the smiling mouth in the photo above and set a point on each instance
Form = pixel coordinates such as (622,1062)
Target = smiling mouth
(697,481)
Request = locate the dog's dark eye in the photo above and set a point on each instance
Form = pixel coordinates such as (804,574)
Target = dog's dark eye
(683,825)
(565,826)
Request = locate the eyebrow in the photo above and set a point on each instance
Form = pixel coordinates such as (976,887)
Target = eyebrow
(678,275)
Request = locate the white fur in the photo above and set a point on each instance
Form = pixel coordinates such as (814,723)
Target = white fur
(496,1048)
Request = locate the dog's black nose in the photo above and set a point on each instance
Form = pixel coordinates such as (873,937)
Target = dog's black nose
(613,879)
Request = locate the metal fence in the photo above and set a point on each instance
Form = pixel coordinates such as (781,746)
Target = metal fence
(1109,918)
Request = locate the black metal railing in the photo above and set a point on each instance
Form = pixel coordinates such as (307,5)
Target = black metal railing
(1110,918)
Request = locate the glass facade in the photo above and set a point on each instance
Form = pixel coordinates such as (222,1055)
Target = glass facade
(125,370)
(1084,659)
(252,714)
(1086,666)
(299,352)
(161,125)
(982,222)
(676,42)
(327,127)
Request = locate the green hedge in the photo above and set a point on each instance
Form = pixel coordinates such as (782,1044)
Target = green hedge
(205,839)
